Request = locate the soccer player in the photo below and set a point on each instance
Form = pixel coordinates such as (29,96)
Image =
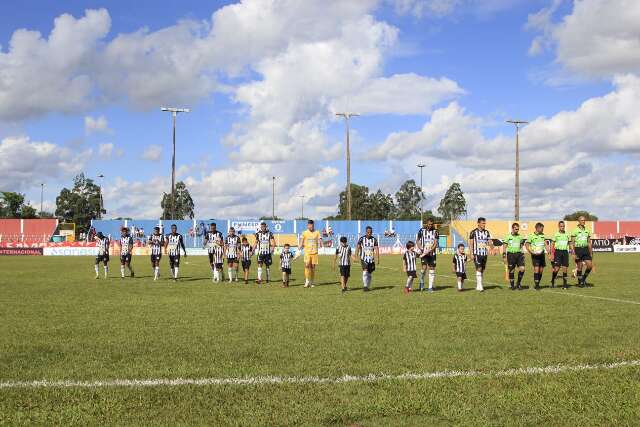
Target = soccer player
(536,244)
(285,264)
(583,250)
(103,243)
(310,241)
(213,240)
(232,243)
(246,252)
(459,267)
(479,241)
(126,246)
(156,242)
(369,253)
(560,254)
(265,243)
(173,243)
(343,256)
(409,265)
(513,255)
(427,242)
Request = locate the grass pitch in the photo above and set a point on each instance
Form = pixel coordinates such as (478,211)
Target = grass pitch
(58,323)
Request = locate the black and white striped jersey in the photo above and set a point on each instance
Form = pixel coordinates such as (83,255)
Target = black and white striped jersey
(263,242)
(410,260)
(213,240)
(459,263)
(156,241)
(103,245)
(344,255)
(285,259)
(174,243)
(125,243)
(480,241)
(232,243)
(218,255)
(427,237)
(367,248)
(246,252)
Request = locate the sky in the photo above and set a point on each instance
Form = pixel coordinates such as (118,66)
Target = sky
(82,83)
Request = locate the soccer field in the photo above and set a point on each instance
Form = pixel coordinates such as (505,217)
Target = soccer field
(256,355)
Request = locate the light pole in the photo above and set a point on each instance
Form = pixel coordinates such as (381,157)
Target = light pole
(347,116)
(41,197)
(174,112)
(273,198)
(101,177)
(517,124)
(301,207)
(421,166)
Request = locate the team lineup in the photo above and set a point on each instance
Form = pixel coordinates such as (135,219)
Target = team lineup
(418,259)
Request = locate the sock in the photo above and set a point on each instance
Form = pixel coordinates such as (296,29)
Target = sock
(460,282)
(175,272)
(364,279)
(130,269)
(579,276)
(106,271)
(259,273)
(307,274)
(536,278)
(97,270)
(553,277)
(520,276)
(564,279)
(369,277)
(511,278)
(312,275)
(230,272)
(409,282)
(432,278)
(122,270)
(422,279)
(268,274)
(584,276)
(479,280)
(156,272)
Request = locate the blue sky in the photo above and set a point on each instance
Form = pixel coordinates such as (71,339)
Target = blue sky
(435,80)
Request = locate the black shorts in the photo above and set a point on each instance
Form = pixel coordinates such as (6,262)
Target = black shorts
(246,265)
(582,254)
(265,259)
(125,258)
(233,260)
(429,260)
(102,258)
(368,266)
(219,266)
(345,271)
(174,260)
(412,274)
(463,276)
(480,261)
(538,260)
(561,258)
(156,258)
(285,270)
(210,257)
(515,259)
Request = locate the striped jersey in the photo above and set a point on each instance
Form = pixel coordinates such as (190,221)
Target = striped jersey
(285,259)
(246,251)
(156,241)
(232,243)
(218,255)
(263,242)
(367,245)
(480,241)
(409,258)
(125,243)
(174,243)
(459,261)
(344,255)
(213,240)
(427,237)
(103,245)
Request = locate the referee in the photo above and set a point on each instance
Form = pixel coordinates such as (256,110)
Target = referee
(479,242)
(581,246)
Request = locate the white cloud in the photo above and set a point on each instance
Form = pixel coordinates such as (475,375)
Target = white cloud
(153,153)
(600,38)
(98,124)
(107,150)
(443,8)
(25,163)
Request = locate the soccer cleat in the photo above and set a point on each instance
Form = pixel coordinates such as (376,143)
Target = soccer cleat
(536,287)
(459,289)
(133,274)
(430,290)
(406,290)
(246,282)
(343,290)
(313,286)
(306,285)
(513,288)
(97,276)
(553,285)
(565,286)
(519,287)
(365,289)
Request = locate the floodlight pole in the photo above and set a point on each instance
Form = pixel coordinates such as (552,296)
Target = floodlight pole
(101,176)
(41,197)
(174,112)
(517,124)
(301,207)
(273,198)
(421,166)
(347,116)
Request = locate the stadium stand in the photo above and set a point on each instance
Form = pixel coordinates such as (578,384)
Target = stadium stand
(27,231)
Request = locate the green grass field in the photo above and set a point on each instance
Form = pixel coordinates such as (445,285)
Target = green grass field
(58,323)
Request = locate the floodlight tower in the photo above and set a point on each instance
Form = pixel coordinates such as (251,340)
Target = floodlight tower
(421,166)
(174,112)
(347,116)
(517,124)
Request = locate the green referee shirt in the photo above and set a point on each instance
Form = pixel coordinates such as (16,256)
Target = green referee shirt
(536,242)
(561,241)
(581,237)
(514,243)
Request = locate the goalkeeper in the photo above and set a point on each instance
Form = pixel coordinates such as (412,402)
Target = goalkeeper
(537,244)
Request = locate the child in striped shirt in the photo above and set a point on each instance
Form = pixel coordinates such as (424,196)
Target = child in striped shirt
(285,265)
(409,265)
(246,252)
(459,267)
(343,256)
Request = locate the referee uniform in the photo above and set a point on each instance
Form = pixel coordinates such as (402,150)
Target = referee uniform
(514,257)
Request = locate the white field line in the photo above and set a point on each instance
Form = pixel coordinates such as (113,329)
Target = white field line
(165,382)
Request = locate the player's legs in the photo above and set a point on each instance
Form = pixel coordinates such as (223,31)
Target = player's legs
(588,267)
(260,262)
(128,263)
(123,261)
(480,263)
(423,272)
(105,261)
(267,263)
(97,266)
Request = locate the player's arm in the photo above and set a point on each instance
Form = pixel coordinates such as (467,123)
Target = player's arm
(453,264)
(572,243)
(419,241)
(181,243)
(436,243)
(301,242)
(335,259)
(272,243)
(376,249)
(130,245)
(404,263)
(472,241)
(548,245)
(504,248)
(527,245)
(590,246)
(358,250)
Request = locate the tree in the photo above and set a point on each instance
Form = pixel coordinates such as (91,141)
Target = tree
(577,214)
(81,204)
(408,198)
(184,203)
(380,206)
(359,202)
(12,205)
(453,205)
(28,212)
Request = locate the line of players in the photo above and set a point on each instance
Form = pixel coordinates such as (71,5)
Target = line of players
(238,252)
